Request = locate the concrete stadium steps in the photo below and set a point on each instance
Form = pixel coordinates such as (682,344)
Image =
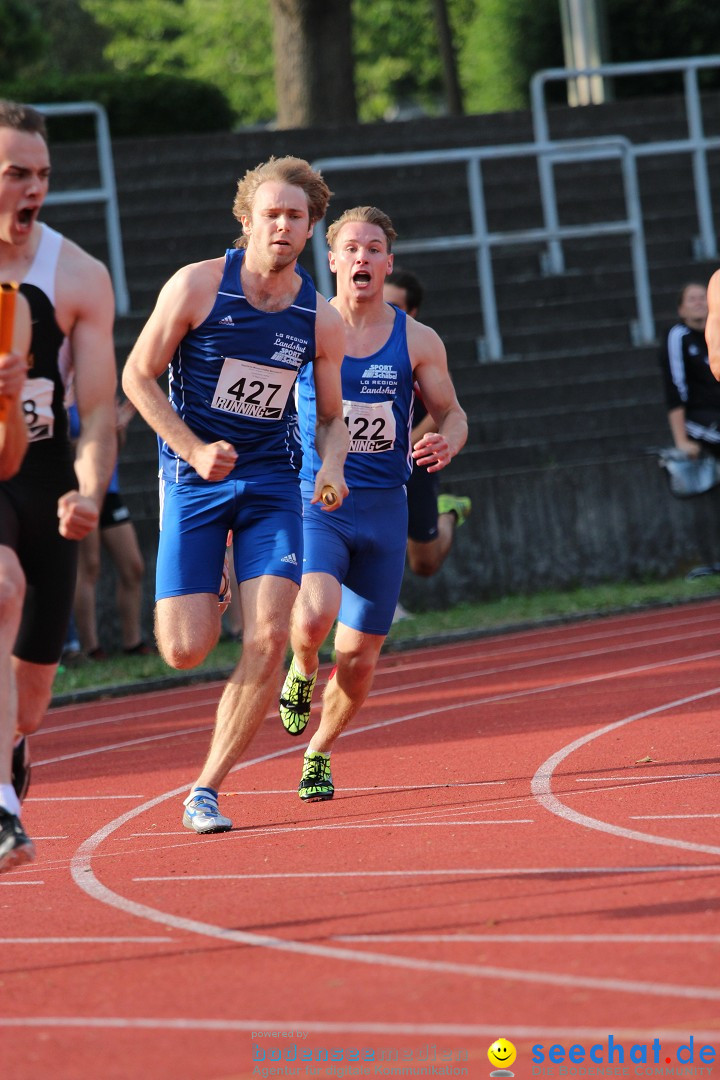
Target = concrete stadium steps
(557,463)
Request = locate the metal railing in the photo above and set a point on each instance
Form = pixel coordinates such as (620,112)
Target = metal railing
(482,240)
(697,143)
(105,193)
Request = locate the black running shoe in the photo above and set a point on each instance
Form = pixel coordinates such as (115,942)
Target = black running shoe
(21,769)
(16,847)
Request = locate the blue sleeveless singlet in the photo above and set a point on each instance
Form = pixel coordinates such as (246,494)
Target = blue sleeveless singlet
(377,404)
(233,378)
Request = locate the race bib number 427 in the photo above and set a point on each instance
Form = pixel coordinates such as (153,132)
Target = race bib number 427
(248,389)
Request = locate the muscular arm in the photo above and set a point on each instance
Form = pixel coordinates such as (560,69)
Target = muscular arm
(85,292)
(331,434)
(182,304)
(712,326)
(13,366)
(436,449)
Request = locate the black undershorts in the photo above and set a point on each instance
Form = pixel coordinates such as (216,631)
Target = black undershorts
(29,525)
(114,511)
(422,491)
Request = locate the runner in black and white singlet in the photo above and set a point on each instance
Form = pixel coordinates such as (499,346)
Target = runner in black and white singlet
(49,504)
(355,559)
(234,332)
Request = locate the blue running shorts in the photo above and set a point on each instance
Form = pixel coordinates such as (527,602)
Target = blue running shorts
(362,545)
(264,515)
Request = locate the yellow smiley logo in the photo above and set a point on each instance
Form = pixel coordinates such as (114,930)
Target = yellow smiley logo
(502,1054)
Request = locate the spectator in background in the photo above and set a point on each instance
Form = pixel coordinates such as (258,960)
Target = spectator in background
(692,393)
(432,517)
(116,533)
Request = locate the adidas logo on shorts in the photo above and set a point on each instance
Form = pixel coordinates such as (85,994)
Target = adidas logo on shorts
(290,559)
(227,321)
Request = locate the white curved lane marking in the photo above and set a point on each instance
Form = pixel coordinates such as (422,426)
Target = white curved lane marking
(541,785)
(85,879)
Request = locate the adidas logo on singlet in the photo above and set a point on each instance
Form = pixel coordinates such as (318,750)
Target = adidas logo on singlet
(290,558)
(227,321)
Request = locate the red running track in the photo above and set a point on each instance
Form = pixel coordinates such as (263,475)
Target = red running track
(524,844)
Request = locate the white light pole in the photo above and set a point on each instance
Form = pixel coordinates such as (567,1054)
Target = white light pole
(584,30)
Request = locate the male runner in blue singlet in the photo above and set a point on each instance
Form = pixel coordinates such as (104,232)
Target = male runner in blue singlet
(235,331)
(354,560)
(53,500)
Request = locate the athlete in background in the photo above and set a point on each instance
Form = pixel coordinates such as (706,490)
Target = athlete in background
(432,517)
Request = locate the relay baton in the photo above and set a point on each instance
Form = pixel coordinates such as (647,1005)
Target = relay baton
(8,293)
(329,495)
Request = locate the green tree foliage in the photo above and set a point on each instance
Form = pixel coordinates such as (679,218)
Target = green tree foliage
(509,40)
(225,42)
(506,43)
(73,41)
(229,43)
(22,37)
(398,65)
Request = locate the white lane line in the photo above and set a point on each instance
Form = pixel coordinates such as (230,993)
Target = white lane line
(539,939)
(669,817)
(166,710)
(122,745)
(12,881)
(505,872)
(84,877)
(483,646)
(541,784)
(353,1027)
(147,940)
(453,678)
(78,798)
(377,787)
(649,776)
(435,710)
(50,837)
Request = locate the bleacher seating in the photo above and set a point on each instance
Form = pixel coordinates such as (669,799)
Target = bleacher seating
(564,491)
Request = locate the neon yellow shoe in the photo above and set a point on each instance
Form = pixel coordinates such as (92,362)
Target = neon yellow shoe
(316,784)
(460,505)
(295,700)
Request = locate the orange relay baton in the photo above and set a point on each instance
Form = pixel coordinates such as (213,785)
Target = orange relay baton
(8,294)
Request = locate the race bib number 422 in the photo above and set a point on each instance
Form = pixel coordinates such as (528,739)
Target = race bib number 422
(248,389)
(371,426)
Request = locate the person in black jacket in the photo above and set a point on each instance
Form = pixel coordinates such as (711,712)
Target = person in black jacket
(692,392)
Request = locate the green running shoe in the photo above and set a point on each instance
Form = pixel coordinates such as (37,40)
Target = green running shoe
(295,700)
(316,784)
(460,505)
